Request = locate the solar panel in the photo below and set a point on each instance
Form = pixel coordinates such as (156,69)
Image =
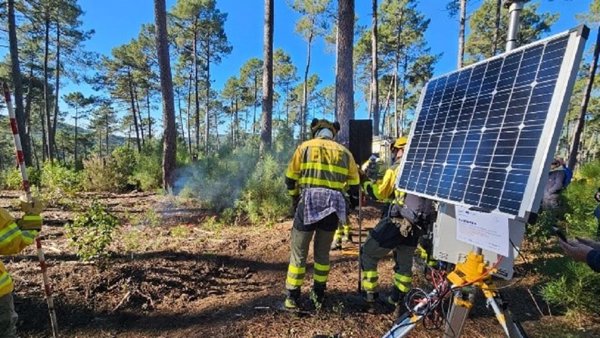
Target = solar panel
(482,135)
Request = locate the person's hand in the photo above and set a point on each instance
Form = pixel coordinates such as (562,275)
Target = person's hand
(593,244)
(31,206)
(577,250)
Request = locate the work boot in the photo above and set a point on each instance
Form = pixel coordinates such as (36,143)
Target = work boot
(291,300)
(336,244)
(396,299)
(370,297)
(317,295)
(347,236)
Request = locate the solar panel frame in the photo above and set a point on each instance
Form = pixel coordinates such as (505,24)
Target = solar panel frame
(550,130)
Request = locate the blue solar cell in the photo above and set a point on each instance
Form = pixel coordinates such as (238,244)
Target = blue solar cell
(478,129)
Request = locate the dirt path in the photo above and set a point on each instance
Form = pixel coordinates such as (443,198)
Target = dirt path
(210,281)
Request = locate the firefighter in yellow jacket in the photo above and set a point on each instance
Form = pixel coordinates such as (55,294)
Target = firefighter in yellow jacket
(405,220)
(319,173)
(14,236)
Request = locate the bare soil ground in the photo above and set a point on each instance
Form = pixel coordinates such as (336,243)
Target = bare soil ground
(175,273)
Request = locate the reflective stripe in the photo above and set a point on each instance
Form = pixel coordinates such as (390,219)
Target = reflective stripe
(296,269)
(8,234)
(369,286)
(355,181)
(292,175)
(310,181)
(401,286)
(337,235)
(402,278)
(293,281)
(324,167)
(28,236)
(5,279)
(321,267)
(370,274)
(32,218)
(320,279)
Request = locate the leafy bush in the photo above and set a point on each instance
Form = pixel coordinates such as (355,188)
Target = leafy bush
(574,285)
(265,197)
(92,231)
(11,179)
(148,170)
(217,180)
(59,181)
(576,288)
(112,173)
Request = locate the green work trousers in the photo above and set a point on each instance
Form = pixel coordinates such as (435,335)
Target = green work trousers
(8,317)
(300,243)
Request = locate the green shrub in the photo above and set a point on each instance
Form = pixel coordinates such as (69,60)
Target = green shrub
(11,179)
(265,197)
(112,173)
(576,288)
(92,231)
(148,169)
(58,179)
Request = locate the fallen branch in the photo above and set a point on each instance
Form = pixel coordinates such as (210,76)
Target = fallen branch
(125,299)
(535,302)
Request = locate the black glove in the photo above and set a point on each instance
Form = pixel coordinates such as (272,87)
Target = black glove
(354,202)
(295,201)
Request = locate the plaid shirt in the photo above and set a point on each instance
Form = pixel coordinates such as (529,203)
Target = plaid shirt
(321,202)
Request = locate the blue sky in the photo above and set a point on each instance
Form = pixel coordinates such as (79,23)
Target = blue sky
(116,22)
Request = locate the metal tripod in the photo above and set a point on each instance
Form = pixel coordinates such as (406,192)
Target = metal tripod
(465,280)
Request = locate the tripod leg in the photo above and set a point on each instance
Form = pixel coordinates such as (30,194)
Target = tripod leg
(459,311)
(405,324)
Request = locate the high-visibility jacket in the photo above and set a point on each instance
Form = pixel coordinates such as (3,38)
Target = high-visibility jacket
(321,163)
(12,241)
(384,190)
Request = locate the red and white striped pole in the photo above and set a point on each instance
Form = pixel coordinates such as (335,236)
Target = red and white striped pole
(26,188)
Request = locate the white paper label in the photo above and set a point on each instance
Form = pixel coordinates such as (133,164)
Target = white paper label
(488,231)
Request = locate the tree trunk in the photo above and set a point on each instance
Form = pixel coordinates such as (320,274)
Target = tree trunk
(267,85)
(166,86)
(18,83)
(56,81)
(75,140)
(497,27)
(150,117)
(255,104)
(207,117)
(374,76)
(396,117)
(304,107)
(189,113)
(196,90)
(584,104)
(461,33)
(386,107)
(133,113)
(107,135)
(403,98)
(47,118)
(180,115)
(139,111)
(344,86)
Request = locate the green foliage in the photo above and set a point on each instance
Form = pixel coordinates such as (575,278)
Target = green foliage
(148,170)
(57,179)
(576,288)
(265,196)
(216,180)
(480,42)
(11,179)
(112,173)
(92,231)
(580,200)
